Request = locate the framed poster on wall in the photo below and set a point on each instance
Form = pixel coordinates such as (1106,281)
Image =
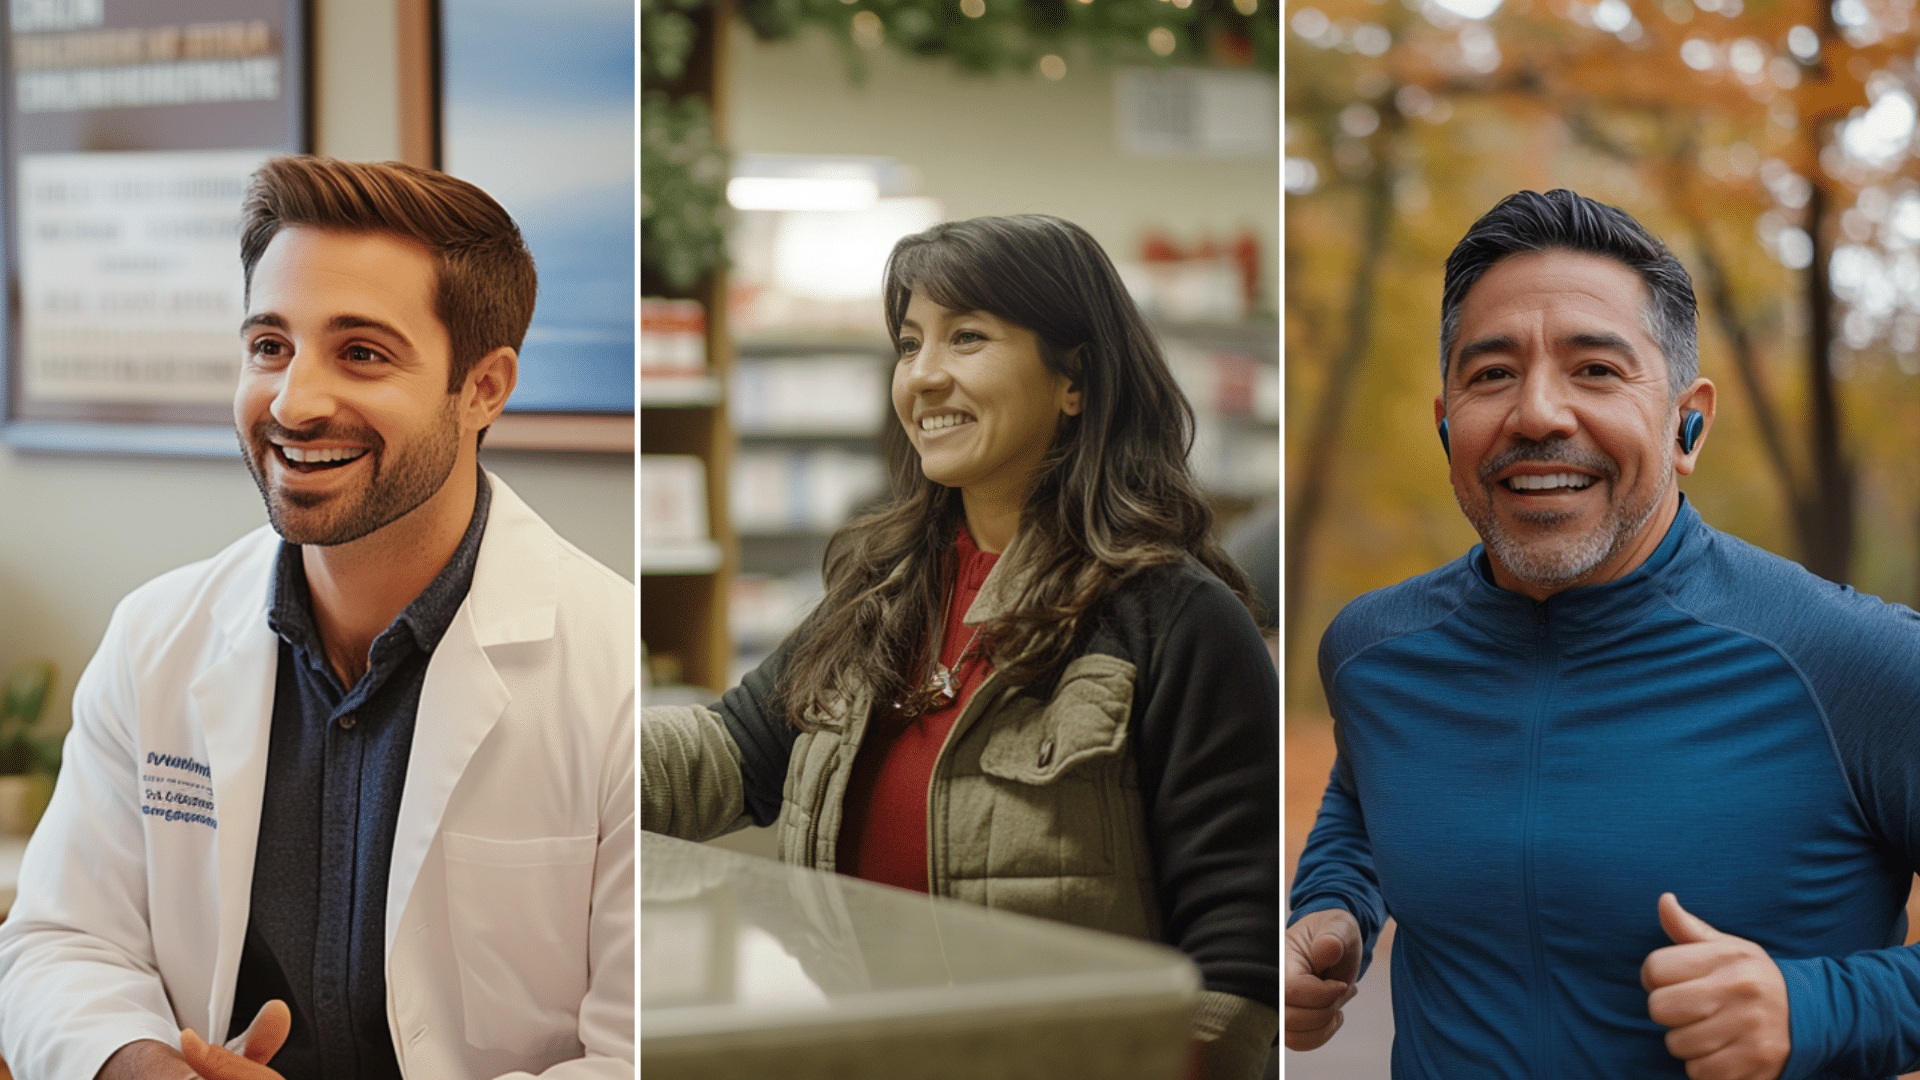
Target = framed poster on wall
(130,129)
(552,140)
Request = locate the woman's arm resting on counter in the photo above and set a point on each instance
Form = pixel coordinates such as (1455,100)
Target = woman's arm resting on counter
(690,783)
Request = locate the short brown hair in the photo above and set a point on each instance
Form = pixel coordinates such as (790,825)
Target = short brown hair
(485,283)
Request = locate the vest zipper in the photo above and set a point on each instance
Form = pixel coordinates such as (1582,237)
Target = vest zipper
(937,786)
(813,841)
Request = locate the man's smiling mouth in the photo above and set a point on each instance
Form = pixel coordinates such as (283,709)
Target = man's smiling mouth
(1549,482)
(318,460)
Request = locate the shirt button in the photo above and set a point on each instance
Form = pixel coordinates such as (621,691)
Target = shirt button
(348,721)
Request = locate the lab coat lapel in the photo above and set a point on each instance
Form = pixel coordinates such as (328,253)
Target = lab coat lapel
(461,701)
(233,711)
(511,600)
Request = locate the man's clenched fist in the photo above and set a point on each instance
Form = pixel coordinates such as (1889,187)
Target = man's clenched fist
(1323,960)
(1722,995)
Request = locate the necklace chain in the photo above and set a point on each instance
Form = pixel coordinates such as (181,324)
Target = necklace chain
(944,686)
(941,681)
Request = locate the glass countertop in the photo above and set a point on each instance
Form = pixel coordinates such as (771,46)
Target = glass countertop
(741,954)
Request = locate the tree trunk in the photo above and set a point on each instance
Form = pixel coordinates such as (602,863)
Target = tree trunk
(1317,464)
(1828,507)
(1746,362)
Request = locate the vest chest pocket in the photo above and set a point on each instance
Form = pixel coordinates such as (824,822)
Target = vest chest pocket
(1053,773)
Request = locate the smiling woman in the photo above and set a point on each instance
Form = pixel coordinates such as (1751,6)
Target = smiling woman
(980,406)
(1034,682)
(1078,442)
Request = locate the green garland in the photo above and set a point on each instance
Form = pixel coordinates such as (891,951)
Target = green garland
(990,36)
(683,190)
(667,35)
(683,174)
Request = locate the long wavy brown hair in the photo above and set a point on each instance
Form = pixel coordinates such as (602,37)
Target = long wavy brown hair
(1113,496)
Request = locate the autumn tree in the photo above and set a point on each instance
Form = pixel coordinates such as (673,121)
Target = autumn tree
(1769,144)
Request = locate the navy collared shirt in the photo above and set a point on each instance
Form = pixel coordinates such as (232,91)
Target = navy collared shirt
(336,765)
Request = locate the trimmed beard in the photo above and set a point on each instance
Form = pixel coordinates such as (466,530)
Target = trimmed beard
(1547,563)
(393,490)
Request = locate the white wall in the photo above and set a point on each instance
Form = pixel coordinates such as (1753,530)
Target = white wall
(77,532)
(1012,144)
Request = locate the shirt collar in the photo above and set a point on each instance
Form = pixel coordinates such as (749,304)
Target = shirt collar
(1598,606)
(426,618)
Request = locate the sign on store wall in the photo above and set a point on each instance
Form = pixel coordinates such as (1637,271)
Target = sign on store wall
(134,126)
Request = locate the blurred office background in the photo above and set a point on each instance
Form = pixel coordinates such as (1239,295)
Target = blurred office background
(801,140)
(88,511)
(1770,145)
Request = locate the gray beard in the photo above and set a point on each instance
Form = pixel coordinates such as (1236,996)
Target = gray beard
(1549,563)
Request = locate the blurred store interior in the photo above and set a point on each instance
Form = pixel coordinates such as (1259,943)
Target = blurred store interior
(801,141)
(764,388)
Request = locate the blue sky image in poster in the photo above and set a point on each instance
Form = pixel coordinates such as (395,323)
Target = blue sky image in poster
(537,108)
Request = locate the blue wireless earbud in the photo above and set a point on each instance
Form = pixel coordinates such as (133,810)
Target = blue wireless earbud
(1691,426)
(1443,438)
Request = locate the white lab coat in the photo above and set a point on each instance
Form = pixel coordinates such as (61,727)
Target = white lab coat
(510,903)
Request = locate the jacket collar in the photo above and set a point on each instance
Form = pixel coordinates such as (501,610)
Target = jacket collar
(1005,583)
(1593,607)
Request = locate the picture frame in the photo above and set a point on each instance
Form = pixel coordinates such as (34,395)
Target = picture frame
(554,145)
(131,128)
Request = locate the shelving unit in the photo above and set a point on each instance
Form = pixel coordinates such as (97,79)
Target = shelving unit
(783,546)
(683,606)
(683,609)
(1231,373)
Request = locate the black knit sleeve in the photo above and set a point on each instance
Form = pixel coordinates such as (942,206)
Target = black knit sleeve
(763,735)
(1206,722)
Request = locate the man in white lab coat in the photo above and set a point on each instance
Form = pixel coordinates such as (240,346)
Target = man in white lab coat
(354,797)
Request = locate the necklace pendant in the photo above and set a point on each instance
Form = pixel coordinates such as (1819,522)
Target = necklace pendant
(941,683)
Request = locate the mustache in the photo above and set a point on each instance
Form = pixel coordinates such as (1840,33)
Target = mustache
(270,430)
(1551,452)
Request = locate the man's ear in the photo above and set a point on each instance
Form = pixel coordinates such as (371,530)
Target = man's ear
(489,384)
(1701,397)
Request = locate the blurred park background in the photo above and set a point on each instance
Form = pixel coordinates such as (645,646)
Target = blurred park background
(1768,142)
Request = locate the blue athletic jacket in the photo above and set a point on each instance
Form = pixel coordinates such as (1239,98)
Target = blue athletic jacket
(1518,781)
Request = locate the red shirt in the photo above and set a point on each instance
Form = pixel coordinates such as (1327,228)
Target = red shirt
(883,825)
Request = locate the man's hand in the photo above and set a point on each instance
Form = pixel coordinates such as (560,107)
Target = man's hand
(1323,960)
(150,1059)
(262,1039)
(1722,995)
(146,1059)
